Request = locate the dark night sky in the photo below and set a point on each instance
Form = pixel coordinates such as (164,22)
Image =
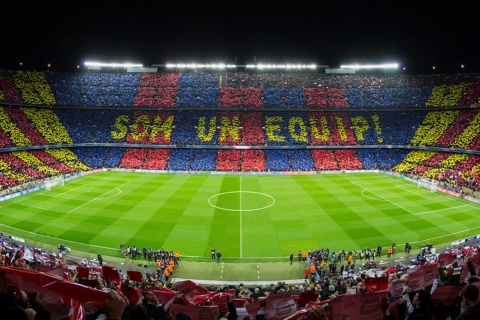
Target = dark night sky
(416,35)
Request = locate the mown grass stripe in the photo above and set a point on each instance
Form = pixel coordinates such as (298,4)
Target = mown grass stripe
(185,212)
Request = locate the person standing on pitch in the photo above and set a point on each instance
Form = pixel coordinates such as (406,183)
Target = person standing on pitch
(379,251)
(291,257)
(219,255)
(213,253)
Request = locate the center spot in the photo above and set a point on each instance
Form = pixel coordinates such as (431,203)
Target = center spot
(241,201)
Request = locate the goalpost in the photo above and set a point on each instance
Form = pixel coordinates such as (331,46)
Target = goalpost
(54,182)
(427,184)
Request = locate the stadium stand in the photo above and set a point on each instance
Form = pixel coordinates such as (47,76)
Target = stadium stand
(58,124)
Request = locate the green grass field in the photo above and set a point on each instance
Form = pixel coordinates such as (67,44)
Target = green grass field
(248,217)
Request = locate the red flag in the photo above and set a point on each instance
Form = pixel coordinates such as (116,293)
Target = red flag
(110,274)
(308,312)
(421,276)
(464,272)
(92,283)
(169,303)
(364,306)
(163,294)
(476,261)
(136,276)
(306,297)
(279,306)
(446,295)
(252,309)
(241,302)
(78,311)
(177,299)
(193,311)
(376,284)
(446,258)
(203,297)
(189,288)
(82,272)
(131,294)
(396,288)
(48,283)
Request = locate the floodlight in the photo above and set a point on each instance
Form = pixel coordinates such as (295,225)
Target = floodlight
(112,65)
(371,66)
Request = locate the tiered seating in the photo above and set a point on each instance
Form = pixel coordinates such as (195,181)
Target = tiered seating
(94,89)
(100,157)
(228,160)
(157,90)
(297,121)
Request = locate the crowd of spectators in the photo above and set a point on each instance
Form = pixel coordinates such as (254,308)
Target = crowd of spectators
(237,89)
(391,293)
(250,109)
(110,110)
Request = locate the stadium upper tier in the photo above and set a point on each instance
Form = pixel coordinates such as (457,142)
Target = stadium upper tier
(56,123)
(239,90)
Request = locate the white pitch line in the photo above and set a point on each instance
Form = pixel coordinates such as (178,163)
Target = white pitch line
(24,198)
(408,190)
(61,194)
(437,194)
(397,205)
(371,198)
(99,197)
(61,240)
(45,209)
(241,218)
(432,211)
(439,237)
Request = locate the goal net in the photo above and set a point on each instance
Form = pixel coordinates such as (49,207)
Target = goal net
(431,185)
(55,182)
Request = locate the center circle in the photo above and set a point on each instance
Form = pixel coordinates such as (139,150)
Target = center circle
(241,201)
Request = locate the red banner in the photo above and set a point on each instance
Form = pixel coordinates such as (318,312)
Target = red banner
(396,288)
(194,312)
(444,259)
(82,272)
(365,306)
(203,297)
(446,295)
(136,276)
(189,288)
(421,276)
(376,284)
(476,261)
(306,297)
(309,311)
(43,268)
(131,294)
(92,283)
(279,306)
(252,309)
(37,281)
(111,274)
(163,295)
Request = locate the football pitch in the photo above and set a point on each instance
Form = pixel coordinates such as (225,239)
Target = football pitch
(249,217)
